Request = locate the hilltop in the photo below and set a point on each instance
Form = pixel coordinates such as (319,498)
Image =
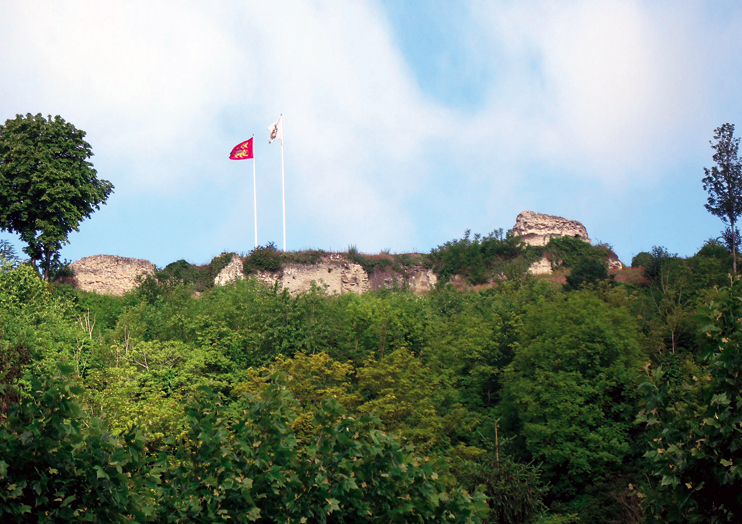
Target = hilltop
(538,244)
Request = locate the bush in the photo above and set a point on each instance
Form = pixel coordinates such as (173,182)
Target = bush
(475,259)
(202,278)
(714,249)
(263,258)
(642,260)
(587,271)
(660,259)
(55,467)
(368,264)
(241,462)
(307,257)
(180,270)
(570,251)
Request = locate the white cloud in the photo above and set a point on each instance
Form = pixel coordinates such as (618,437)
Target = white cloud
(608,92)
(147,80)
(355,123)
(606,89)
(150,84)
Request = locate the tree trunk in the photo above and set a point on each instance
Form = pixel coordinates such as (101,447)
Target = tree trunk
(47,259)
(734,247)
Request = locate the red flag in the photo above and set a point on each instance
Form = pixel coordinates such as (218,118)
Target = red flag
(242,151)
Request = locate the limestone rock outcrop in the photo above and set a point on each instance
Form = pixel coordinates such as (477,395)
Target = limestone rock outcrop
(231,272)
(417,279)
(536,228)
(108,274)
(541,267)
(334,272)
(421,279)
(613,262)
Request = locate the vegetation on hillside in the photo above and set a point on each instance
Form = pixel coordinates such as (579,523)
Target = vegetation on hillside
(513,403)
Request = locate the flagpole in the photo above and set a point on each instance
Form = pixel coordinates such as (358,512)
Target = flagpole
(254,195)
(283,189)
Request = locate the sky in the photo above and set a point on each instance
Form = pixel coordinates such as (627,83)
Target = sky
(405,123)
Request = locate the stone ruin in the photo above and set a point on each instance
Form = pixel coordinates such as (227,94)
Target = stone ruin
(114,275)
(536,229)
(108,274)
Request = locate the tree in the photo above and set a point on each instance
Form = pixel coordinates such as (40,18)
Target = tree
(724,183)
(47,184)
(57,466)
(694,431)
(587,271)
(571,386)
(244,463)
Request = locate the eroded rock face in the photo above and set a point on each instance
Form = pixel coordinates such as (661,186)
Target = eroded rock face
(418,279)
(613,261)
(231,272)
(336,274)
(333,272)
(109,274)
(536,228)
(540,267)
(421,279)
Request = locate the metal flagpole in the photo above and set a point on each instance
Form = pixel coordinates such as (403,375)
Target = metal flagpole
(283,189)
(254,194)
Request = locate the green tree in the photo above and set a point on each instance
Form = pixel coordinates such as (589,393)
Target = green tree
(7,253)
(694,431)
(571,387)
(57,466)
(245,463)
(724,183)
(515,491)
(587,271)
(47,184)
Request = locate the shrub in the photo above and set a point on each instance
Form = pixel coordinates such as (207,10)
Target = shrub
(307,257)
(247,464)
(570,251)
(55,467)
(263,258)
(475,258)
(587,271)
(215,266)
(642,260)
(368,264)
(660,258)
(714,249)
(406,260)
(182,272)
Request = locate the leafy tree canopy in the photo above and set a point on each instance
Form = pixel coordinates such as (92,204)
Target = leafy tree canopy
(693,441)
(571,386)
(47,184)
(724,182)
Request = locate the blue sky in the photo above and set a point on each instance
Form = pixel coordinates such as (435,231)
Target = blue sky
(405,122)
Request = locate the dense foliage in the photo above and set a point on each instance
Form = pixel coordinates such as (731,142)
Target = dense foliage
(517,402)
(695,454)
(480,258)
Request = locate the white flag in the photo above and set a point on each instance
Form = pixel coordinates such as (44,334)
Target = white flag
(276,130)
